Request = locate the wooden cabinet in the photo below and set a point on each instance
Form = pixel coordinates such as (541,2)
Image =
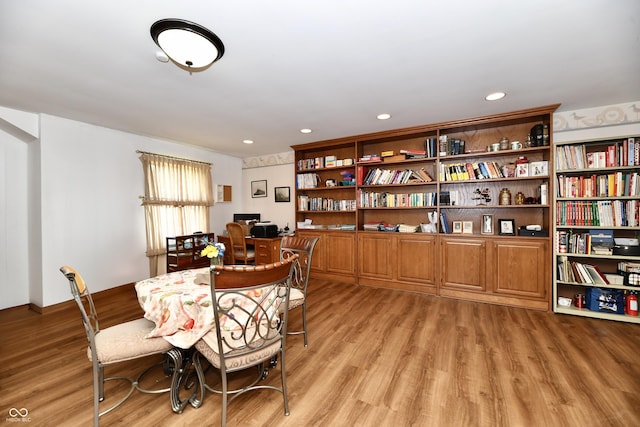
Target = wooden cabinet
(183,252)
(387,185)
(519,269)
(597,204)
(334,255)
(512,271)
(397,261)
(463,265)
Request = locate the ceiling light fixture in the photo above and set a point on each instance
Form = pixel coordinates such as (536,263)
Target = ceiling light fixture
(383,116)
(247,141)
(190,46)
(495,96)
(305,130)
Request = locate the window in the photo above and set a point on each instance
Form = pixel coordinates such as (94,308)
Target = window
(178,194)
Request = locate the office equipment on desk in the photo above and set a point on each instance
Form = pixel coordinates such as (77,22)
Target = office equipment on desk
(264,230)
(237,217)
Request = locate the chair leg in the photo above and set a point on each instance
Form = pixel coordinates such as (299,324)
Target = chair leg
(98,392)
(225,400)
(283,376)
(101,382)
(304,322)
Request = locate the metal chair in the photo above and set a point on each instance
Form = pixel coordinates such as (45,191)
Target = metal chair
(239,251)
(250,327)
(303,247)
(118,343)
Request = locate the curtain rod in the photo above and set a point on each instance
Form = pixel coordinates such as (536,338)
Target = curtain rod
(172,157)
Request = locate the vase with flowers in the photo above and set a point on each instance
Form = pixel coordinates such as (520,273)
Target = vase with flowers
(215,252)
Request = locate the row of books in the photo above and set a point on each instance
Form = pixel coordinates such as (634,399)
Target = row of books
(607,213)
(469,171)
(367,199)
(597,242)
(323,162)
(577,272)
(307,180)
(306,203)
(377,176)
(451,146)
(614,184)
(623,153)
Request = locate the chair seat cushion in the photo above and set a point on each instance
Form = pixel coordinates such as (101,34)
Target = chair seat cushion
(296,298)
(242,359)
(127,341)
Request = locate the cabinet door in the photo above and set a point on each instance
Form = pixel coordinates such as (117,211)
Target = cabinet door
(339,253)
(375,253)
(521,269)
(416,258)
(463,264)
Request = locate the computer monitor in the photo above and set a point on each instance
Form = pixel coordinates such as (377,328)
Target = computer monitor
(246,217)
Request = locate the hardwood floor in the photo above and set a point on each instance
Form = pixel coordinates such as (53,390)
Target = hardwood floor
(375,358)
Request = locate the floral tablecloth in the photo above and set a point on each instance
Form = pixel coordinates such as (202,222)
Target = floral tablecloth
(179,303)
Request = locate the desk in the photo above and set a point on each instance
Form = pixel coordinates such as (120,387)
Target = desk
(267,249)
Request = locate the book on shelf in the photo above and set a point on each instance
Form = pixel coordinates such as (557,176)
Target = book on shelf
(444,223)
(577,272)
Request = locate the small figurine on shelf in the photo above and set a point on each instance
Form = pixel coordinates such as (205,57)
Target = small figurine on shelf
(482,195)
(432,227)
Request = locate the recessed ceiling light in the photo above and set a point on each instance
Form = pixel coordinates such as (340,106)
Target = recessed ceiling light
(306,130)
(247,141)
(495,96)
(383,116)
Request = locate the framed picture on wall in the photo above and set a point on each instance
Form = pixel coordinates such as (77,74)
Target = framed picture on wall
(282,194)
(259,188)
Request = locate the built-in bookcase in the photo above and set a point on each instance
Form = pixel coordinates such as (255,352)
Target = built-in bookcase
(375,197)
(597,202)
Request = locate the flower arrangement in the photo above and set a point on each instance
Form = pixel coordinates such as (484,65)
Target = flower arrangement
(213,250)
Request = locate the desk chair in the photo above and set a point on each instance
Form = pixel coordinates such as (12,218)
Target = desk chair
(119,343)
(239,251)
(250,327)
(303,247)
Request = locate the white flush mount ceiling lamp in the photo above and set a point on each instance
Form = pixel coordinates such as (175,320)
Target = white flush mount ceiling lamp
(190,46)
(247,141)
(383,116)
(305,130)
(495,96)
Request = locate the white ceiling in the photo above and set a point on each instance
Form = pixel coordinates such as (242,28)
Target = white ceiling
(328,65)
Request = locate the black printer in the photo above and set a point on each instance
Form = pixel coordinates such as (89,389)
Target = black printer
(264,230)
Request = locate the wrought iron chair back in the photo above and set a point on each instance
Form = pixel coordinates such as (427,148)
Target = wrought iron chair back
(304,248)
(250,327)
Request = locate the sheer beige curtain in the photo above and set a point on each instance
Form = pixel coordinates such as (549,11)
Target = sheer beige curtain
(178,194)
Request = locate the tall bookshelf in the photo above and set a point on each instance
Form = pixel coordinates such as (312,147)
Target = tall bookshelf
(597,201)
(381,238)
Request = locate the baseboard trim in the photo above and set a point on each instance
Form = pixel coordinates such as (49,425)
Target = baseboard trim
(65,305)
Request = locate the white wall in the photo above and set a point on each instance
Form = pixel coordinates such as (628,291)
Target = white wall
(281,175)
(84,207)
(14,236)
